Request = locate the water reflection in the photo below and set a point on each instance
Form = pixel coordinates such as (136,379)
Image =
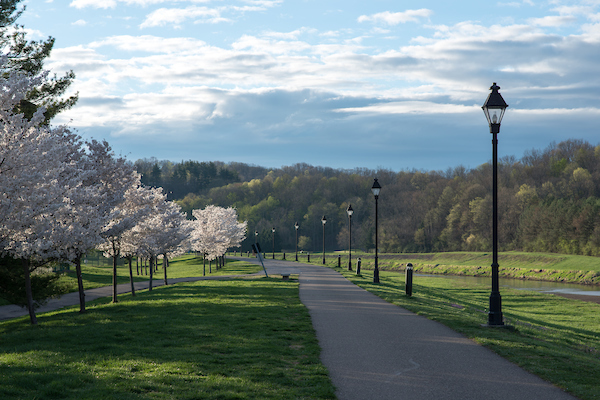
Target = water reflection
(538,286)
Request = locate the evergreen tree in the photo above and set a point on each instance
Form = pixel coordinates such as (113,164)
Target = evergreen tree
(28,57)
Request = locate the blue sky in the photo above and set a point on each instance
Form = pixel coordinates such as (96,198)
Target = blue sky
(345,84)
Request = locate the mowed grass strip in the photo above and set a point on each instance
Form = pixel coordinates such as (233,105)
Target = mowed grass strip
(556,338)
(190,265)
(239,339)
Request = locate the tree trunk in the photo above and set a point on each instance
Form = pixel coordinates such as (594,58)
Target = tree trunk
(131,275)
(28,291)
(115,259)
(137,266)
(80,285)
(204,270)
(165,267)
(151,269)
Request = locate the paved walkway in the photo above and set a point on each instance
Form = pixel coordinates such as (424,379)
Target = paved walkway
(375,350)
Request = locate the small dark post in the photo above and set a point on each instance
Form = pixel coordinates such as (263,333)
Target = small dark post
(339,261)
(358,262)
(409,279)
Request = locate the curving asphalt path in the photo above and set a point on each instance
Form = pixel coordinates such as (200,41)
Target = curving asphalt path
(376,350)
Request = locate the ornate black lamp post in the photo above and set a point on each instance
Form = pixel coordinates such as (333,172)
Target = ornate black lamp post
(376,188)
(323,221)
(273,230)
(296,226)
(494,108)
(350,211)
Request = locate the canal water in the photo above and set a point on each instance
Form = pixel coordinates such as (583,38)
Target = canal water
(538,286)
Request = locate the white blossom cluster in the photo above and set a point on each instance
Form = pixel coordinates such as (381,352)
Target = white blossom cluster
(215,229)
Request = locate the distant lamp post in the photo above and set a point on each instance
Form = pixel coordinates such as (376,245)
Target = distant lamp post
(350,211)
(376,188)
(273,230)
(296,226)
(323,221)
(255,236)
(494,108)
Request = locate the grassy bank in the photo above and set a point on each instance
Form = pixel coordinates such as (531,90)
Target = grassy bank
(241,339)
(555,338)
(519,265)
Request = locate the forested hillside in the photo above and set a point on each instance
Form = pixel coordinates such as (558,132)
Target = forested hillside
(548,201)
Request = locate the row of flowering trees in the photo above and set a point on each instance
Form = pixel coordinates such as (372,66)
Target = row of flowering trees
(61,196)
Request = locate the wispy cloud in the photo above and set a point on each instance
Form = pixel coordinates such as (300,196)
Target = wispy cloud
(176,16)
(395,18)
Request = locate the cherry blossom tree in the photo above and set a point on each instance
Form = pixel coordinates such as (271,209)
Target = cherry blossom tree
(36,168)
(103,181)
(121,234)
(175,231)
(215,230)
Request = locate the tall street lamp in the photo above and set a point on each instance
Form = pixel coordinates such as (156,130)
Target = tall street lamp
(273,230)
(350,211)
(494,108)
(323,221)
(296,226)
(376,188)
(255,236)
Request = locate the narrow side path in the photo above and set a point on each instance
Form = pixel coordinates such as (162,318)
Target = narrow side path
(71,299)
(376,350)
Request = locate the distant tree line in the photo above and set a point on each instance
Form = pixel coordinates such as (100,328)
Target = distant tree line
(179,179)
(549,200)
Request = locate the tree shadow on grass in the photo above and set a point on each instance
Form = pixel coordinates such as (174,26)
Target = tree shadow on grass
(200,340)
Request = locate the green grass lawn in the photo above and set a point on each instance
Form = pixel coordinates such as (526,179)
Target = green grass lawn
(239,339)
(98,273)
(555,338)
(190,266)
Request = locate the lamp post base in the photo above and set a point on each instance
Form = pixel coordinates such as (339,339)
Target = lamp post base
(495,314)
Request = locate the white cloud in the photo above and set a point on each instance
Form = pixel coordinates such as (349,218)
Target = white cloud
(412,107)
(150,44)
(113,3)
(390,18)
(94,3)
(176,16)
(79,22)
(553,21)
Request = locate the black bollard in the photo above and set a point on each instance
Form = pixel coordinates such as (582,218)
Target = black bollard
(358,261)
(409,279)
(339,261)
(307,257)
(283,256)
